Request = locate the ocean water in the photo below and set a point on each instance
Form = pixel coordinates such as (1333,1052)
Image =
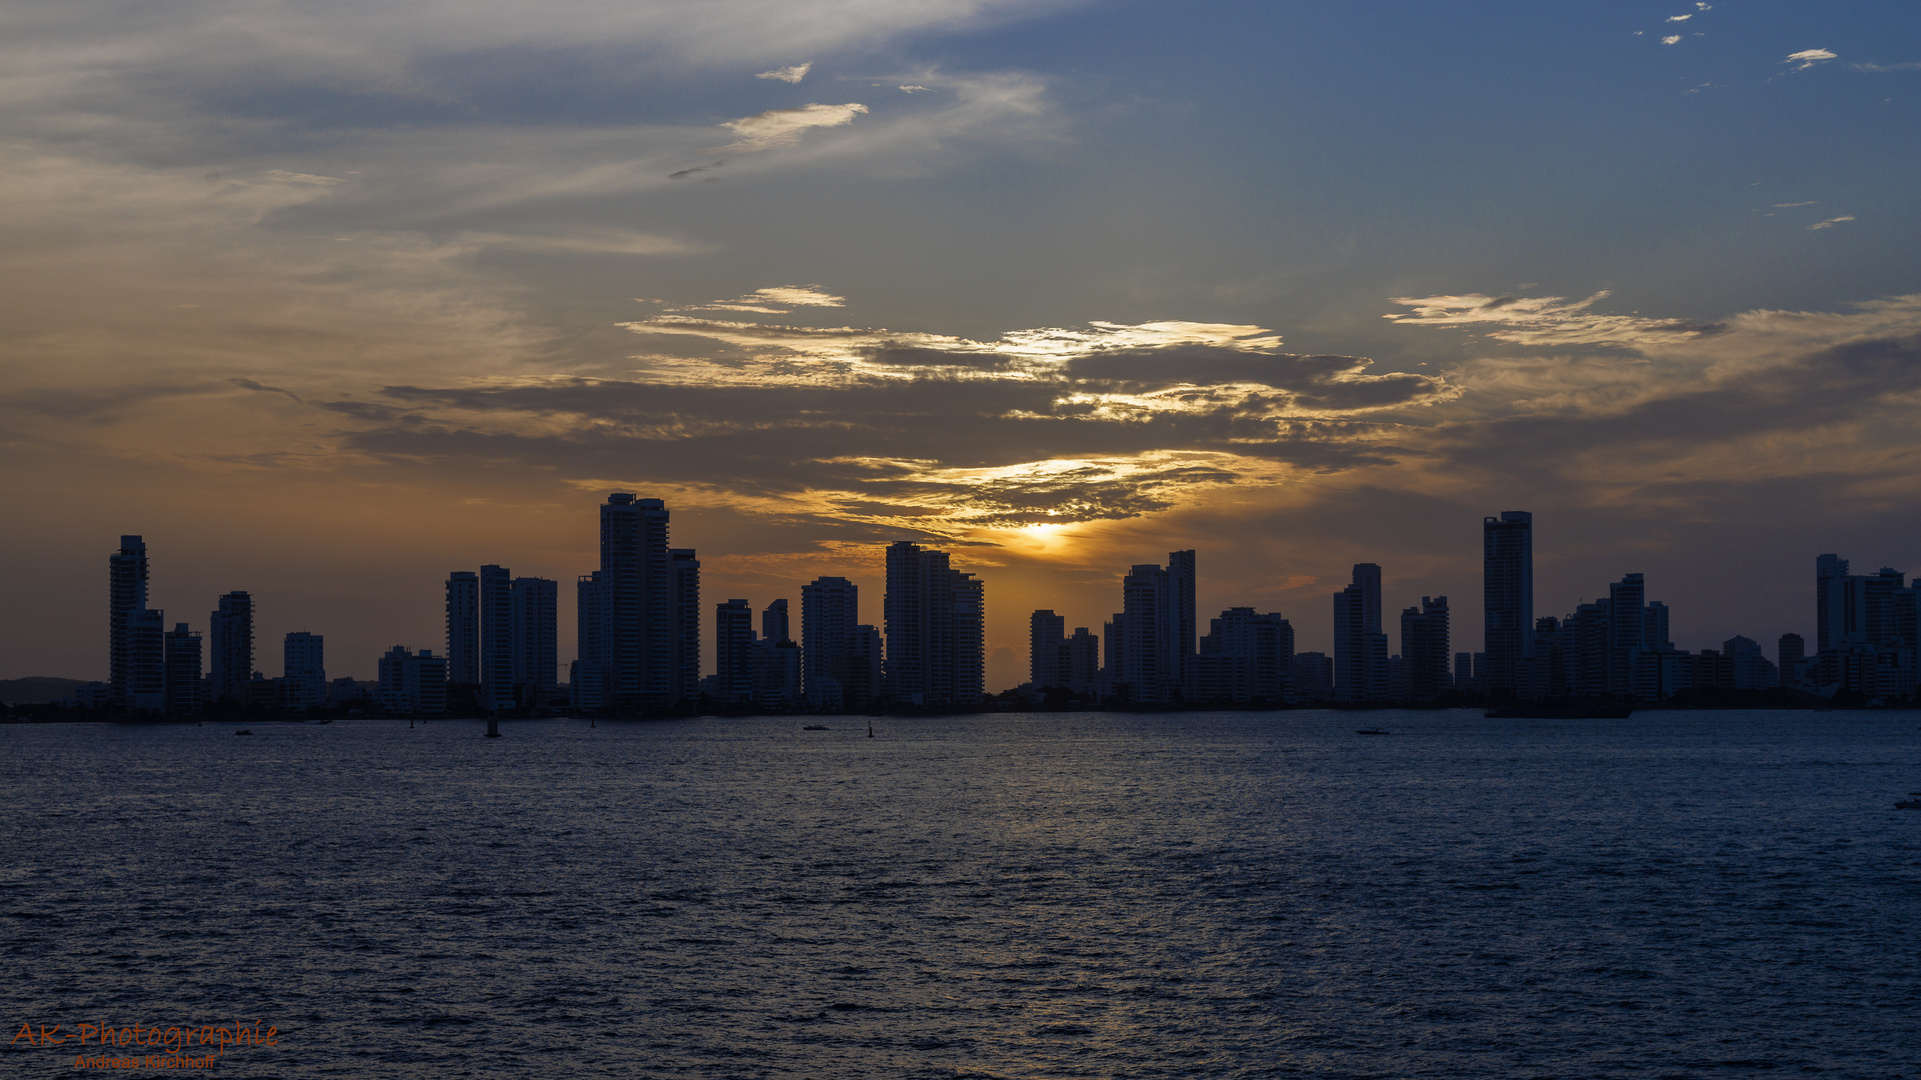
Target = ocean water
(1062,895)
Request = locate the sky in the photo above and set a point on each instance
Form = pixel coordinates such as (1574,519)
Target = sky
(327,300)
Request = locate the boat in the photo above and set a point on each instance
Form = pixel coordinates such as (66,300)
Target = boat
(326,721)
(1372,731)
(1912,802)
(815,727)
(243,731)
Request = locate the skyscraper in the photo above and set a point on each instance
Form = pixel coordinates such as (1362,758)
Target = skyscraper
(146,661)
(685,624)
(126,594)
(232,647)
(1627,631)
(535,651)
(733,652)
(637,646)
(1827,569)
(496,639)
(186,691)
(1153,636)
(463,627)
(1046,650)
(304,671)
(1507,583)
(1424,648)
(934,618)
(829,611)
(585,686)
(1360,648)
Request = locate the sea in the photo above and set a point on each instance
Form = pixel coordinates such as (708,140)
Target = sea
(1250,894)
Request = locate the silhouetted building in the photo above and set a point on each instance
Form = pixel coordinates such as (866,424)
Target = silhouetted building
(1464,671)
(1544,672)
(1827,568)
(231,643)
(829,611)
(934,617)
(1507,576)
(1867,632)
(1360,648)
(777,667)
(496,639)
(303,671)
(1627,631)
(533,635)
(685,619)
(733,652)
(126,594)
(1046,650)
(463,627)
(186,691)
(1153,636)
(1083,661)
(858,668)
(641,632)
(1313,676)
(412,683)
(1790,657)
(1246,657)
(1424,645)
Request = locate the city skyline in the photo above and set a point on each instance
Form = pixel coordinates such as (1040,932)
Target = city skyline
(640,629)
(330,308)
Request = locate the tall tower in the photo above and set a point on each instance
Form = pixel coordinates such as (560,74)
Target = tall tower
(585,687)
(1830,578)
(829,611)
(1627,631)
(232,648)
(1360,648)
(686,624)
(1046,641)
(637,621)
(496,638)
(935,616)
(126,594)
(733,652)
(186,693)
(1424,647)
(535,652)
(1507,584)
(463,627)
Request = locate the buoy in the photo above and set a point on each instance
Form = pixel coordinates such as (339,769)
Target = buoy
(493,727)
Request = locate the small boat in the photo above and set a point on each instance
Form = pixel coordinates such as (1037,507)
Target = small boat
(326,721)
(815,727)
(1372,731)
(243,731)
(1912,802)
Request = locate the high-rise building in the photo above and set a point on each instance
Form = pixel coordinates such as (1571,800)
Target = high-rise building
(412,683)
(585,681)
(186,691)
(303,671)
(1424,648)
(496,639)
(1046,650)
(463,627)
(1313,676)
(1360,648)
(734,652)
(126,594)
(232,647)
(685,625)
(1083,661)
(1790,653)
(934,617)
(1827,568)
(1245,657)
(777,661)
(534,632)
(145,666)
(1153,636)
(1507,583)
(859,668)
(637,646)
(829,611)
(1627,631)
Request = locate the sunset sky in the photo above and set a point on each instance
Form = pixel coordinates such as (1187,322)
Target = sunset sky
(329,299)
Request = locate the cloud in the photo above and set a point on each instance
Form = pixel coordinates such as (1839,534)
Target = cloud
(1789,205)
(783,127)
(600,241)
(1807,58)
(800,296)
(1912,65)
(695,171)
(1547,321)
(1680,18)
(284,177)
(1831,222)
(1672,39)
(913,89)
(788,74)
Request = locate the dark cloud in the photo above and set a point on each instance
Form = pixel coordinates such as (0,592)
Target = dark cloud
(916,356)
(1319,381)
